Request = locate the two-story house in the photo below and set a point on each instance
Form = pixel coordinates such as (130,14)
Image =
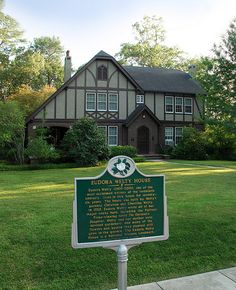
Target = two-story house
(139,106)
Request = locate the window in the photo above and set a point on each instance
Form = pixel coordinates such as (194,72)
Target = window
(169,136)
(90,101)
(103,129)
(113,102)
(188,105)
(102,73)
(178,134)
(102,102)
(178,105)
(140,99)
(112,135)
(169,104)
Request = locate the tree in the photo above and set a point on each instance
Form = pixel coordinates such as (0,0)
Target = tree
(12,129)
(217,76)
(29,99)
(149,49)
(51,50)
(84,143)
(10,39)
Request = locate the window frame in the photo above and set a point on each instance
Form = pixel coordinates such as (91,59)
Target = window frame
(191,106)
(172,98)
(101,110)
(112,94)
(181,98)
(87,109)
(102,73)
(172,135)
(108,135)
(178,135)
(141,101)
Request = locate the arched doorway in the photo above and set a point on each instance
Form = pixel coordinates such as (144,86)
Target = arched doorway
(143,140)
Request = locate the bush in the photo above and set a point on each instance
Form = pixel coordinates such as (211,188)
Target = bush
(192,146)
(220,142)
(85,144)
(128,150)
(39,149)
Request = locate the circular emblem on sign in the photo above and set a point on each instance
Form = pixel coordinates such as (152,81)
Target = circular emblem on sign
(121,166)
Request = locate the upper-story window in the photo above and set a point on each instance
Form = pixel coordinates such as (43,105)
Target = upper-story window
(178,105)
(140,99)
(102,73)
(102,102)
(169,104)
(113,102)
(188,105)
(90,101)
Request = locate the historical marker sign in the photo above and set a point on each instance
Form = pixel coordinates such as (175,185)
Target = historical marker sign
(121,206)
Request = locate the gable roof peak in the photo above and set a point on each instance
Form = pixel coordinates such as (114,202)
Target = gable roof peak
(102,53)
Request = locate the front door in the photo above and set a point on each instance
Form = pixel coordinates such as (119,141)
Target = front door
(143,140)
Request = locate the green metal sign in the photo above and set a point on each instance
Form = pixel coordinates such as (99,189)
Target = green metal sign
(122,205)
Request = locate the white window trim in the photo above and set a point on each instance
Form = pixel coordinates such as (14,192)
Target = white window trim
(178,135)
(141,97)
(109,102)
(112,135)
(90,93)
(172,140)
(187,113)
(169,112)
(101,110)
(179,105)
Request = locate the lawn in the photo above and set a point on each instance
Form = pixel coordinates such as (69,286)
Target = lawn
(35,229)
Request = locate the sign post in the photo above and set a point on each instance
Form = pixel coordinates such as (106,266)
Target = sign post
(119,209)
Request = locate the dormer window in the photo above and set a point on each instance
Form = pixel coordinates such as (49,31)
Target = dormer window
(102,73)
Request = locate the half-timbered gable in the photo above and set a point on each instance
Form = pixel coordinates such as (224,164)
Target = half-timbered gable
(143,107)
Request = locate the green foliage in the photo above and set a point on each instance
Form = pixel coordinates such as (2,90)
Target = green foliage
(29,99)
(12,129)
(51,50)
(39,149)
(220,143)
(217,76)
(149,49)
(84,143)
(128,150)
(192,146)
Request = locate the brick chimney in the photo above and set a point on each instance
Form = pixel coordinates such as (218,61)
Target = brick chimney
(67,66)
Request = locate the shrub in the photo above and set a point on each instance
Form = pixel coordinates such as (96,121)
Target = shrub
(220,142)
(85,144)
(128,150)
(39,149)
(192,146)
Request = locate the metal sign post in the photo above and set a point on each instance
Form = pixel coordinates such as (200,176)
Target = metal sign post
(122,258)
(119,209)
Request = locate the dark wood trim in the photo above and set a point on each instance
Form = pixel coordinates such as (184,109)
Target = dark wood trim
(55,107)
(155,113)
(108,81)
(127,100)
(75,111)
(192,109)
(164,109)
(94,78)
(174,108)
(102,88)
(66,103)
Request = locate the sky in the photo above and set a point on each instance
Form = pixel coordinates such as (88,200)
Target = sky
(87,26)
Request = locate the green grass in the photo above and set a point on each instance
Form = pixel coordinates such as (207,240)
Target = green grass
(35,229)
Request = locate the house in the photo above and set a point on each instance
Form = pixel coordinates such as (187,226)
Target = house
(140,106)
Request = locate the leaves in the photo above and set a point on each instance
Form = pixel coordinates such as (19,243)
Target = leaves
(149,49)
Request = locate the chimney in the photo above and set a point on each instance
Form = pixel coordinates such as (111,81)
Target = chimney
(67,66)
(192,69)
